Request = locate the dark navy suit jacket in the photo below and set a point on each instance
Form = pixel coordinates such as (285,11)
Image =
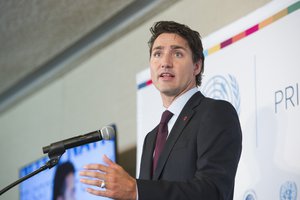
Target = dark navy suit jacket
(200,158)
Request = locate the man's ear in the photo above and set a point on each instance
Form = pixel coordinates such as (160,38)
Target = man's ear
(198,67)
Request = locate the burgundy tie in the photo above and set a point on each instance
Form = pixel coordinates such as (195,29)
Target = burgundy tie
(161,136)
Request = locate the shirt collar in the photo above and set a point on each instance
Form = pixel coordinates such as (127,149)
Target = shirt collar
(178,104)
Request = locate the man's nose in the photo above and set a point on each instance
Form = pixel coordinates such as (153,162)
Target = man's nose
(167,61)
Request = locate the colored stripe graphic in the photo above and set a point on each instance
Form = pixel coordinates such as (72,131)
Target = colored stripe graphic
(243,34)
(144,84)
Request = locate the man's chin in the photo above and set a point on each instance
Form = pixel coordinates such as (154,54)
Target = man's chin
(170,92)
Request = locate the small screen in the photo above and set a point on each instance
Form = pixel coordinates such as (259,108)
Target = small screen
(62,181)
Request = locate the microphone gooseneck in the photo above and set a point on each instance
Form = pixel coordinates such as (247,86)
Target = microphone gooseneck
(105,133)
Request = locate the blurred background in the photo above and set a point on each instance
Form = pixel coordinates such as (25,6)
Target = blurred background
(68,67)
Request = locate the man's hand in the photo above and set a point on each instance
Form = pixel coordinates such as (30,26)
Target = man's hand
(118,183)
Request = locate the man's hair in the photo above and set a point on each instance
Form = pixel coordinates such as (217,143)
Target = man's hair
(59,183)
(192,37)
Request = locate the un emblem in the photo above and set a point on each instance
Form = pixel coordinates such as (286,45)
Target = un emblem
(288,191)
(224,88)
(250,195)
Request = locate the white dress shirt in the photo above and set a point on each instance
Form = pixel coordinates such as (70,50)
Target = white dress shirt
(177,106)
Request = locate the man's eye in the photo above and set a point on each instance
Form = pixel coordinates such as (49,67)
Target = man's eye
(156,54)
(178,54)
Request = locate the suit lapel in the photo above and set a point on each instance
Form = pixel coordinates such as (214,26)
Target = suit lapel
(147,157)
(181,122)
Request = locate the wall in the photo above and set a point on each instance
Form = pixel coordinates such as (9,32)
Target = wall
(100,91)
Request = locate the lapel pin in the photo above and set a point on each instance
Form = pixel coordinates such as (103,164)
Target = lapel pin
(185,118)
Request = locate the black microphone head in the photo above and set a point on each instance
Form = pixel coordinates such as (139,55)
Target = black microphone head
(107,133)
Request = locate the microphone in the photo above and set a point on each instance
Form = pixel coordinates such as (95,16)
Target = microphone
(106,133)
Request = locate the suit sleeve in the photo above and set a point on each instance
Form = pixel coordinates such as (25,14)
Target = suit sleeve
(218,134)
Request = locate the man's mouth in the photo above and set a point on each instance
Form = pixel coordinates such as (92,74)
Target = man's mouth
(166,75)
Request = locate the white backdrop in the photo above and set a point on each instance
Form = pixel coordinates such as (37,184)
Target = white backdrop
(254,64)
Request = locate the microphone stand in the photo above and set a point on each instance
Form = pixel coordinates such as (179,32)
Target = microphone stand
(56,151)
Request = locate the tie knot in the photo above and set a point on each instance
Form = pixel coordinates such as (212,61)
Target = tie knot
(166,116)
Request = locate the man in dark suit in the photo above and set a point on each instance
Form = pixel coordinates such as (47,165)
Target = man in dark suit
(198,158)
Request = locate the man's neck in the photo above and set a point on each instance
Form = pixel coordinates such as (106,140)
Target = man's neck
(168,100)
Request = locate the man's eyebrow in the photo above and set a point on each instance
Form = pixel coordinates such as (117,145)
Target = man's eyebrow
(157,48)
(172,47)
(177,47)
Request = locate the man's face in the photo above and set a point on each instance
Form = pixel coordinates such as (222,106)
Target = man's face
(172,69)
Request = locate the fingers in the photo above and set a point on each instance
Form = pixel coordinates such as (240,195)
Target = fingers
(108,161)
(91,182)
(92,174)
(113,181)
(102,193)
(95,173)
(99,167)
